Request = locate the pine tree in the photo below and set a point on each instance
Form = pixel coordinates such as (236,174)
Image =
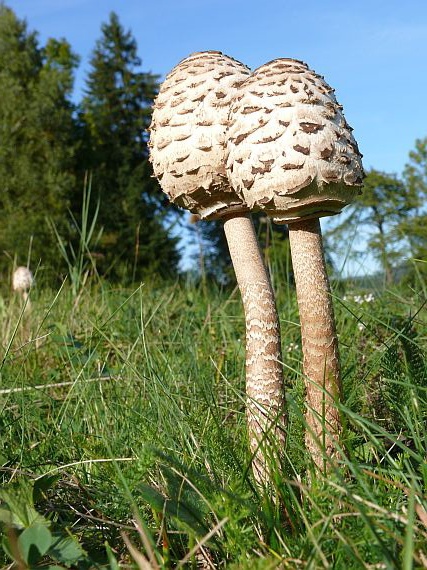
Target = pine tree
(116,109)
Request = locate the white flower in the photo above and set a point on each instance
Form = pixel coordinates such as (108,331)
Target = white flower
(360,299)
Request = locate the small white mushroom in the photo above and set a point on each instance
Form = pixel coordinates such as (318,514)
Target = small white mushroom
(293,156)
(188,153)
(22,280)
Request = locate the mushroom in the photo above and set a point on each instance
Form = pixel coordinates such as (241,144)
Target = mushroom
(22,279)
(188,153)
(293,156)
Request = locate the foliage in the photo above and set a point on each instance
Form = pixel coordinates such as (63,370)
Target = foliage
(415,176)
(415,172)
(80,261)
(37,138)
(133,402)
(30,538)
(47,144)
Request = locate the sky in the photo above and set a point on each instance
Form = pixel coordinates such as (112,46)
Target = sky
(373,52)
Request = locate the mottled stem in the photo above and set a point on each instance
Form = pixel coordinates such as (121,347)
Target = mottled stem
(264,373)
(321,365)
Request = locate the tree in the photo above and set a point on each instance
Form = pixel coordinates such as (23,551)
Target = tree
(382,210)
(116,110)
(415,176)
(37,140)
(415,173)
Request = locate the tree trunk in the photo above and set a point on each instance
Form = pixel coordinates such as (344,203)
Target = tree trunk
(388,273)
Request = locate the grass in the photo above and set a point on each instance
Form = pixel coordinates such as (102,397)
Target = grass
(122,432)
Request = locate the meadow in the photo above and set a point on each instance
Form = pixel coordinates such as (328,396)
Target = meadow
(123,438)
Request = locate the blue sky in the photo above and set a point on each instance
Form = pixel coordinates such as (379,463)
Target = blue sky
(374,53)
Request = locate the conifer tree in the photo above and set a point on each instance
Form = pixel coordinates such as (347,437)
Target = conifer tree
(116,109)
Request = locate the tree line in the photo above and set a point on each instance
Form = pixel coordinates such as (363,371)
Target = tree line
(48,143)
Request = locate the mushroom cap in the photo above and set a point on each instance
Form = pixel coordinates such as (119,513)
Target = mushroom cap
(188,129)
(291,151)
(22,279)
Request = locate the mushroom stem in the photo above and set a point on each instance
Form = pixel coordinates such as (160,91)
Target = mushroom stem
(321,365)
(264,374)
(26,300)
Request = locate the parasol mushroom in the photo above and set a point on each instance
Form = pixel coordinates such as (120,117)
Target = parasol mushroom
(188,153)
(293,156)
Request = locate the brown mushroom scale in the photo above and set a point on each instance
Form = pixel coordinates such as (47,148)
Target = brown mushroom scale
(189,121)
(291,151)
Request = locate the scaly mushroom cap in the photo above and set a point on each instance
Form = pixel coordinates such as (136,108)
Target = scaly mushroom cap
(189,122)
(291,151)
(22,279)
